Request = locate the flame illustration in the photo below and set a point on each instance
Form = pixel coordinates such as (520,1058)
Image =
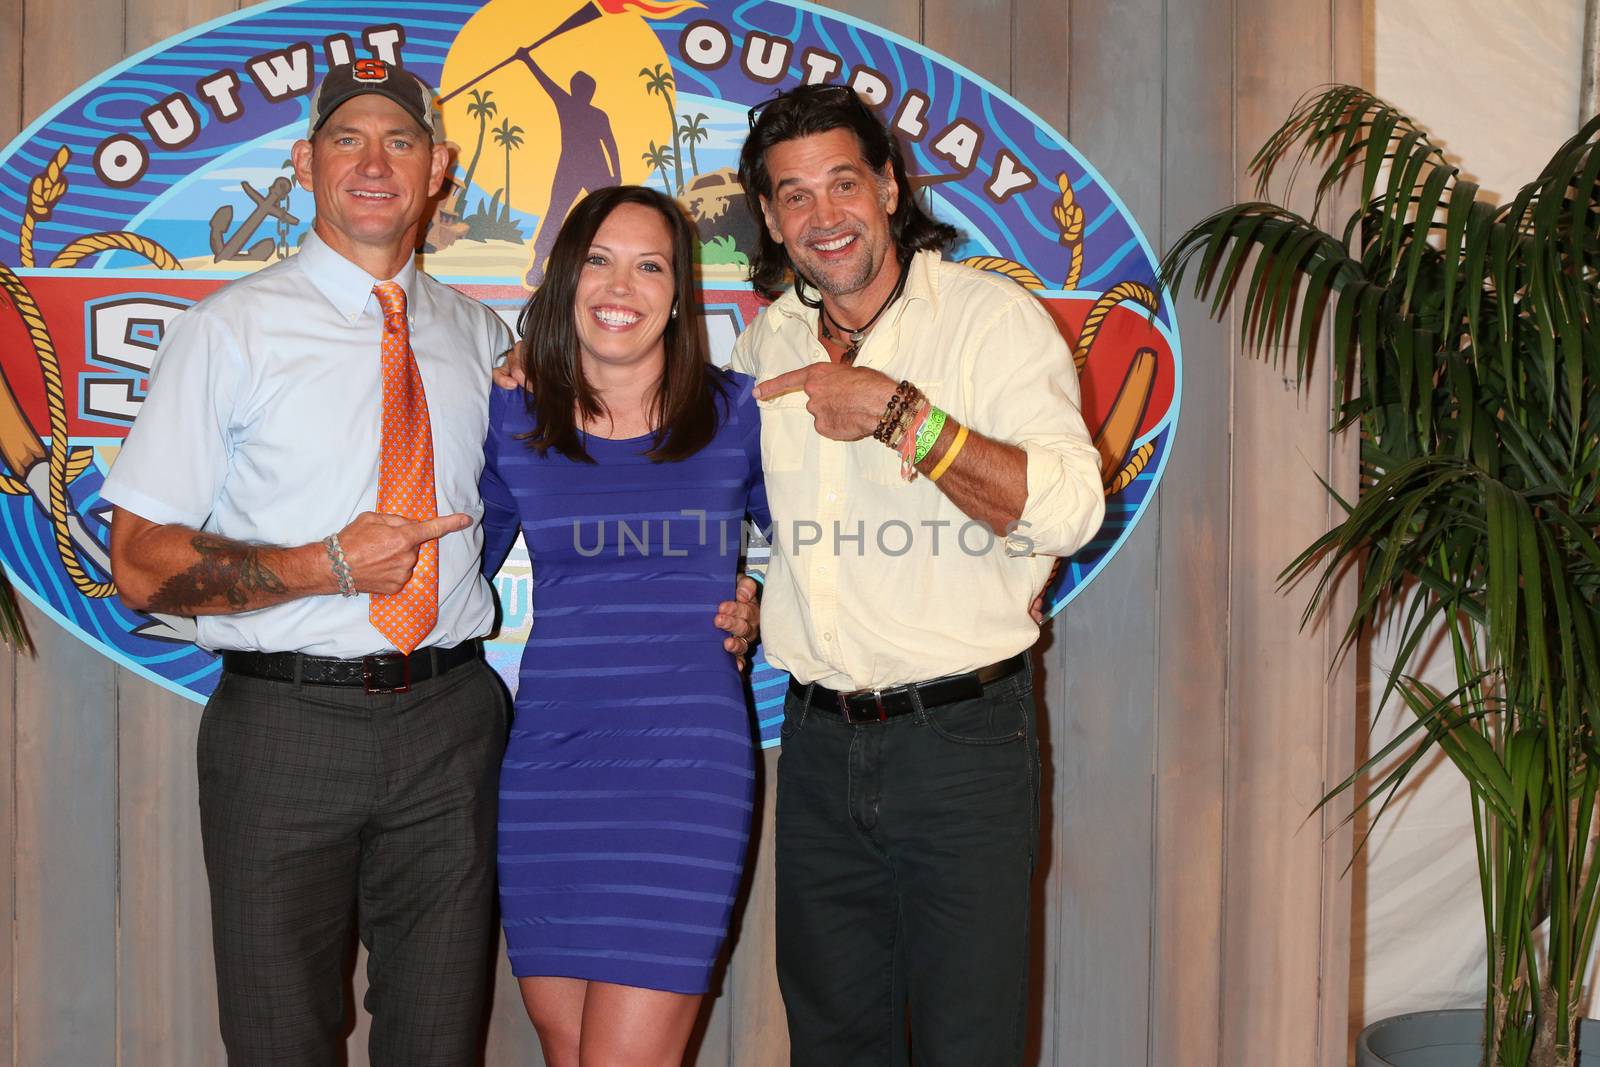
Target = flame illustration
(650,9)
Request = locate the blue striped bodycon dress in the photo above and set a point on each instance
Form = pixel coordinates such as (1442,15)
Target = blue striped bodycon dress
(627,787)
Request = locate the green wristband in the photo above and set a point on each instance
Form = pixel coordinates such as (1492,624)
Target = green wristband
(930,433)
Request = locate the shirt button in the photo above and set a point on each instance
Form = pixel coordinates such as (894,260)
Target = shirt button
(832,495)
(822,569)
(828,636)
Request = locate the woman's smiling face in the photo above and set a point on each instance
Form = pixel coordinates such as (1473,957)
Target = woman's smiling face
(625,291)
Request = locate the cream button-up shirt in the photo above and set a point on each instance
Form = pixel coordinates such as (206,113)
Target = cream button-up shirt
(875,581)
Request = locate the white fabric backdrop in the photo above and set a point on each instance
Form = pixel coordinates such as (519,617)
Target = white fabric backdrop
(1496,83)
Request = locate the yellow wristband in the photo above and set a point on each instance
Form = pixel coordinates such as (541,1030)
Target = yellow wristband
(949,455)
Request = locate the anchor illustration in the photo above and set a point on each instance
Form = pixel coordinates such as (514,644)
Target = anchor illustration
(273,204)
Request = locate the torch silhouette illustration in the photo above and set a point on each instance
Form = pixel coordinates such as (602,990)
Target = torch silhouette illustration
(586,14)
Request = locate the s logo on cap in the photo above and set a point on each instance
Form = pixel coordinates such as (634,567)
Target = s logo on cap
(370,70)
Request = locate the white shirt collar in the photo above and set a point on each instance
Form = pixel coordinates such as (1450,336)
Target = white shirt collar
(347,286)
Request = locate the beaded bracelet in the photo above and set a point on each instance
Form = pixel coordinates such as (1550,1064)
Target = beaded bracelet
(885,421)
(896,399)
(908,418)
(904,401)
(903,396)
(341,566)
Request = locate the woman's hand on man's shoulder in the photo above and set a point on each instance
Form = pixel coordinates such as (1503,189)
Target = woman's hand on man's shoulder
(508,372)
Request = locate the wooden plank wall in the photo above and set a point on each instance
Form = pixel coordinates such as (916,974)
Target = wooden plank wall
(10,123)
(1189,911)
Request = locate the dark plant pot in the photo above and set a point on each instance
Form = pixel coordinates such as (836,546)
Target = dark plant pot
(1446,1039)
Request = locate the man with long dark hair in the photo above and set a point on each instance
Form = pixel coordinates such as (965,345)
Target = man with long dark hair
(926,463)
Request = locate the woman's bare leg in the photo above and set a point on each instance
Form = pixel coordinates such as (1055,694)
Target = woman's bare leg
(624,1026)
(556,1006)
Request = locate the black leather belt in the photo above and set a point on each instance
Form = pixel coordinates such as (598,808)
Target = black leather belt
(878,705)
(387,673)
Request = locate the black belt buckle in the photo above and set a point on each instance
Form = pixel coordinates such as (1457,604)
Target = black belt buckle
(370,673)
(844,705)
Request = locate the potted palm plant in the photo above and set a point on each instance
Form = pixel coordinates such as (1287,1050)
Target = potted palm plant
(1465,348)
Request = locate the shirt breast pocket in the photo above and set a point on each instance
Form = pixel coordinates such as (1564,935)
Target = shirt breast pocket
(785,427)
(881,464)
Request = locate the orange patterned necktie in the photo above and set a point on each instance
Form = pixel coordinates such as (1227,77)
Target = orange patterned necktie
(405,477)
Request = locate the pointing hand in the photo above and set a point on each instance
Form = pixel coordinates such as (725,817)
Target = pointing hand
(382,549)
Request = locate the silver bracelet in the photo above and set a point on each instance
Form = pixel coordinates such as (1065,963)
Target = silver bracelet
(341,566)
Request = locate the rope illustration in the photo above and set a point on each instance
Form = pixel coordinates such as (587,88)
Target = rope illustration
(1069,223)
(1135,466)
(1069,220)
(65,463)
(78,461)
(46,188)
(1117,294)
(1009,267)
(84,247)
(28,310)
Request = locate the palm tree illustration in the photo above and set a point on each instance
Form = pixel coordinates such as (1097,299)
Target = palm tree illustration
(482,108)
(660,157)
(660,81)
(509,137)
(693,131)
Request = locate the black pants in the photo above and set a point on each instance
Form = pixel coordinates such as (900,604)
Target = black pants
(323,807)
(905,851)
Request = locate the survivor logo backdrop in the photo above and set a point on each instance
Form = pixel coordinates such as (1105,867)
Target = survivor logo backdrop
(170,174)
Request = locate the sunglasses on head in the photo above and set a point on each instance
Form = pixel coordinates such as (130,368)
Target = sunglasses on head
(829,91)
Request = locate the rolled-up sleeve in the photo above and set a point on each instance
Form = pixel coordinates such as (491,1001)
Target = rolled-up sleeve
(1023,391)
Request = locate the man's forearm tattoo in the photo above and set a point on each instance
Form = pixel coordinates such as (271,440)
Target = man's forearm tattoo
(226,571)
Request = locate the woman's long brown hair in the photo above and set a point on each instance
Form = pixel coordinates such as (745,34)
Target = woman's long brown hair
(685,410)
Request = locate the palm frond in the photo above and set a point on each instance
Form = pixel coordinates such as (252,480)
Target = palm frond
(13,626)
(1463,339)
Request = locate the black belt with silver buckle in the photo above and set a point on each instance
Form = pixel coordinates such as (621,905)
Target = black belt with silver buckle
(389,672)
(879,705)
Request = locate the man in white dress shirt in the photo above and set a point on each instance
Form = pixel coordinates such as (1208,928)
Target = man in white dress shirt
(347,776)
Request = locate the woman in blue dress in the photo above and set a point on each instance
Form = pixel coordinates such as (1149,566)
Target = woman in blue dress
(629,463)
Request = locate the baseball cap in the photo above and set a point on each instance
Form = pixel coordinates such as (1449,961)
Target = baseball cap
(365,76)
